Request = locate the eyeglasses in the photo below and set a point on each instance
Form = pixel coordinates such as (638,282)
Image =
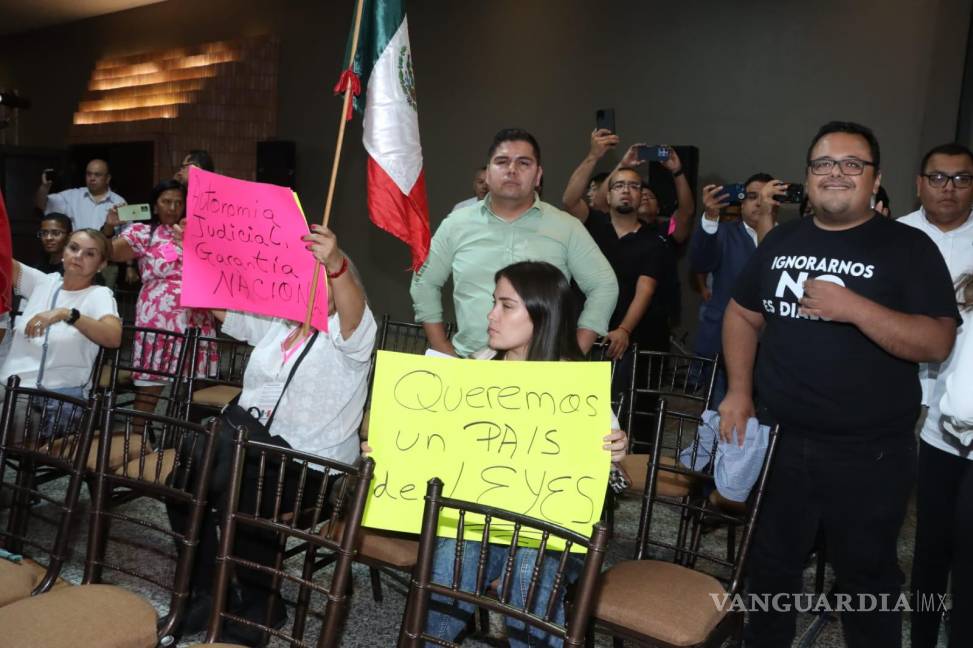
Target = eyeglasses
(618,186)
(848,166)
(940,180)
(47,233)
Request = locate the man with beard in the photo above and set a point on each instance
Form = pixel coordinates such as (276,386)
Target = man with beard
(842,323)
(635,253)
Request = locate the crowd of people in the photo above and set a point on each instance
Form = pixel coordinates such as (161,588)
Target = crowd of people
(845,327)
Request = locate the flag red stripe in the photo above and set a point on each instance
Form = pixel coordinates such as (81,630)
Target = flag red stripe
(404,216)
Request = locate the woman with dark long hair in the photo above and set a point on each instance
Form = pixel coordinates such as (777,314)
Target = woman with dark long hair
(157,246)
(534,318)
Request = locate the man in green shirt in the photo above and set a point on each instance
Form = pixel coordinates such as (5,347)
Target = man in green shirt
(511,224)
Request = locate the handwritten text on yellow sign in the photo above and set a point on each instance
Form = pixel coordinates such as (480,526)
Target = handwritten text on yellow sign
(522,436)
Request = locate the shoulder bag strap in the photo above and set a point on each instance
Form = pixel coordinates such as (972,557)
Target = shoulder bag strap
(307,347)
(47,334)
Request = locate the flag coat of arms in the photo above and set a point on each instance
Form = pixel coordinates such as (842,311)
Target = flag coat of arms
(396,183)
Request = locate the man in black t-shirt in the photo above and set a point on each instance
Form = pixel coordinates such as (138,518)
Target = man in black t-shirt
(635,254)
(844,305)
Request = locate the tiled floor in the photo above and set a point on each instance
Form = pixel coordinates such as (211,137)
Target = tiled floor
(376,624)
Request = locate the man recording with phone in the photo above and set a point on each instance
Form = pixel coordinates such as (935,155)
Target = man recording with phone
(602,141)
(86,206)
(723,249)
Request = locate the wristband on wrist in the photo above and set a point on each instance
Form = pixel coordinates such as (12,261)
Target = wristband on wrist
(341,270)
(73,317)
(627,332)
(676,174)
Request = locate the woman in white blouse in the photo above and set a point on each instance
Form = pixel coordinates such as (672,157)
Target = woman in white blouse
(71,317)
(319,413)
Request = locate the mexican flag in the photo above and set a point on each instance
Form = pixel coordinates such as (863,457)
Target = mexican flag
(396,182)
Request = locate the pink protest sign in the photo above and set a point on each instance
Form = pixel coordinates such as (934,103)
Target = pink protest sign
(243,250)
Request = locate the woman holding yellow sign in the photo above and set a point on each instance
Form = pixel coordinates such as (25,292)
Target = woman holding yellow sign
(534,319)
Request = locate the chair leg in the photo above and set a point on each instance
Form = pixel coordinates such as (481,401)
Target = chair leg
(376,577)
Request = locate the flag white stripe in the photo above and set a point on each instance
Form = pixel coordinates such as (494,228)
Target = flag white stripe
(390,123)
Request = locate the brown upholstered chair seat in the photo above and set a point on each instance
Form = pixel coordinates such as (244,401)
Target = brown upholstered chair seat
(70,617)
(682,611)
(668,484)
(150,466)
(116,454)
(396,549)
(104,378)
(18,580)
(215,396)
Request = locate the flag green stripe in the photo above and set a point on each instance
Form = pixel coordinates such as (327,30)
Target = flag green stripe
(380,20)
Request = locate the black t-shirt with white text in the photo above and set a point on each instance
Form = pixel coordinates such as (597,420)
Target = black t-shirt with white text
(828,378)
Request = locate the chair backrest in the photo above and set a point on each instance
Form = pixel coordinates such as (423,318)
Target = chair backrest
(572,632)
(293,494)
(404,337)
(176,472)
(686,380)
(42,431)
(159,356)
(620,399)
(670,528)
(127,301)
(231,355)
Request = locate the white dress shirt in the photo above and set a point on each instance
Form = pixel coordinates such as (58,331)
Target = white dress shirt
(78,205)
(711,226)
(956,246)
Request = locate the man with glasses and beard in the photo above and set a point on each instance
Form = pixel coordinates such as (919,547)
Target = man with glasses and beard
(842,323)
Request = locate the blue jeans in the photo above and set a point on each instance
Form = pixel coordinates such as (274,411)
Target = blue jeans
(447,617)
(62,416)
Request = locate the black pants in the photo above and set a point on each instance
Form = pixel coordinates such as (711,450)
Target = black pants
(252,544)
(944,532)
(857,494)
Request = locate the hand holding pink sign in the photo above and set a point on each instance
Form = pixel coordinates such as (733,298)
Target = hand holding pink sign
(243,250)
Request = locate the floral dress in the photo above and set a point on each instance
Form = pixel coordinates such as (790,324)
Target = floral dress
(160,267)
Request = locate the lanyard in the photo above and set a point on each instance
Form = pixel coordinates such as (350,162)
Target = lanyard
(287,353)
(47,334)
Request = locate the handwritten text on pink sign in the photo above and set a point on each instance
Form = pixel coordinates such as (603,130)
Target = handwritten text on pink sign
(243,250)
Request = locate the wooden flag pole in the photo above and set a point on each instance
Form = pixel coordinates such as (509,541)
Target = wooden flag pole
(346,104)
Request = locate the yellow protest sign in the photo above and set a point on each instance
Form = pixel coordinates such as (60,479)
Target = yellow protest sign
(522,436)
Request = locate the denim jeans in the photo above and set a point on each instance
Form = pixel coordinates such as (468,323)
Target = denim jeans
(447,617)
(69,415)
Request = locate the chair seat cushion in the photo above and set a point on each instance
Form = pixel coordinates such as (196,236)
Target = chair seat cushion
(116,452)
(399,550)
(88,615)
(150,470)
(104,379)
(668,484)
(18,579)
(660,600)
(215,396)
